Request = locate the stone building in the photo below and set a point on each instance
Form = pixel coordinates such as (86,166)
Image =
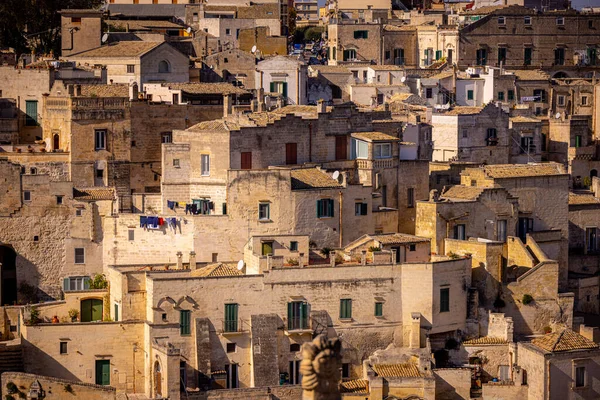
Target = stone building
(283,76)
(81,30)
(472,134)
(137,62)
(517,36)
(338,78)
(233,66)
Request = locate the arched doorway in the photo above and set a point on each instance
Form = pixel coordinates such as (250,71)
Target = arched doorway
(157,381)
(560,75)
(56,142)
(91,310)
(8,275)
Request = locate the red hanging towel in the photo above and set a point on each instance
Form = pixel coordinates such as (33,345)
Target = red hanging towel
(161,221)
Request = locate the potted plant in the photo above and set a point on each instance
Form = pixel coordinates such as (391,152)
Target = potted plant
(73,313)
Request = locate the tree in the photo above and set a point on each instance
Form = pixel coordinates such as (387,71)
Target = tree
(34,25)
(291,21)
(313,34)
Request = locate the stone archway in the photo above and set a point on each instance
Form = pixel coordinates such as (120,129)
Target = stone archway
(8,275)
(157,380)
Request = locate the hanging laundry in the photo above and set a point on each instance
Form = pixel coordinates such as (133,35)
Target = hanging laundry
(194,208)
(143,221)
(182,204)
(171,204)
(152,222)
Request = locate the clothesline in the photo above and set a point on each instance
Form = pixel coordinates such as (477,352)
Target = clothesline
(203,207)
(151,222)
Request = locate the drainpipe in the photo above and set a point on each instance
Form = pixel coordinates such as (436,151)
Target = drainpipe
(310,141)
(341,226)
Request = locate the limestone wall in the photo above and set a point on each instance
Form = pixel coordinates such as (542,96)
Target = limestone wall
(57,389)
(452,383)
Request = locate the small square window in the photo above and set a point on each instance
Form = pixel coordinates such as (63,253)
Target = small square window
(345,370)
(164,317)
(584,100)
(228,32)
(225,60)
(100,173)
(560,21)
(79,255)
(131,234)
(501,21)
(294,347)
(176,162)
(465,133)
(130,68)
(527,21)
(469,95)
(59,200)
(231,347)
(561,100)
(133,143)
(63,347)
(78,212)
(26,195)
(264,211)
(293,246)
(36,238)
(412,247)
(500,96)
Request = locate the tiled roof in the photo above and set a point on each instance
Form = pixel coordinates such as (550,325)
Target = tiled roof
(375,137)
(312,178)
(530,75)
(114,90)
(484,340)
(523,170)
(119,49)
(565,340)
(219,125)
(580,198)
(397,370)
(396,28)
(137,25)
(94,194)
(207,88)
(218,269)
(398,238)
(355,386)
(462,110)
(522,119)
(442,75)
(148,10)
(460,192)
(330,69)
(385,68)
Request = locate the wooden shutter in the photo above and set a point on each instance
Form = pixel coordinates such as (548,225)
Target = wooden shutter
(291,153)
(303,315)
(319,214)
(290,315)
(330,208)
(272,87)
(247,160)
(285,90)
(65,284)
(341,147)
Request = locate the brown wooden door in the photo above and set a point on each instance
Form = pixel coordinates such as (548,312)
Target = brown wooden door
(291,153)
(247,160)
(341,147)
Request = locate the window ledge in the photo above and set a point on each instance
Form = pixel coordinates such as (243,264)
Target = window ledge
(264,221)
(346,319)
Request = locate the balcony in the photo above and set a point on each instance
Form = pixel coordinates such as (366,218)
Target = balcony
(377,164)
(297,326)
(233,327)
(582,153)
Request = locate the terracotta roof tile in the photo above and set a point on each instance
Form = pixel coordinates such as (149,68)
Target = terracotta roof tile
(375,137)
(119,49)
(522,119)
(398,238)
(565,340)
(94,194)
(397,370)
(460,192)
(312,178)
(218,269)
(355,386)
(398,28)
(484,340)
(114,90)
(207,88)
(580,198)
(463,111)
(523,170)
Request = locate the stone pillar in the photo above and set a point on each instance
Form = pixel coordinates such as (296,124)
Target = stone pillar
(363,257)
(192,260)
(179,260)
(227,106)
(254,105)
(394,256)
(332,258)
(415,331)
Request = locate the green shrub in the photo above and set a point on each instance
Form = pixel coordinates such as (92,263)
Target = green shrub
(527,299)
(293,261)
(453,255)
(99,282)
(325,251)
(11,387)
(373,249)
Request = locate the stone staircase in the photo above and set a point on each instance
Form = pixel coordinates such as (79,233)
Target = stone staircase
(11,356)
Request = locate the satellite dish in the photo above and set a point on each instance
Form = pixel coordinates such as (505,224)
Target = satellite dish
(336,175)
(403,79)
(240,265)
(253,49)
(188,30)
(557,116)
(104,38)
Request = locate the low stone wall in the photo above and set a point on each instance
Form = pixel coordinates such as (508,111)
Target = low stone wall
(55,388)
(286,392)
(452,383)
(504,391)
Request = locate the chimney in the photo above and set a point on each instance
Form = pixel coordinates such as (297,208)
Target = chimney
(415,331)
(179,260)
(192,260)
(227,106)
(321,106)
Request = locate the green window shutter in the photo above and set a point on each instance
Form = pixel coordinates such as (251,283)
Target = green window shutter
(272,87)
(366,34)
(364,210)
(31,111)
(330,208)
(86,283)
(285,89)
(378,309)
(290,315)
(356,34)
(304,315)
(318,208)
(116,312)
(65,284)
(438,54)
(184,322)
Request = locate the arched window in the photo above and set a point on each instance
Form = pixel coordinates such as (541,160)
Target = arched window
(163,66)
